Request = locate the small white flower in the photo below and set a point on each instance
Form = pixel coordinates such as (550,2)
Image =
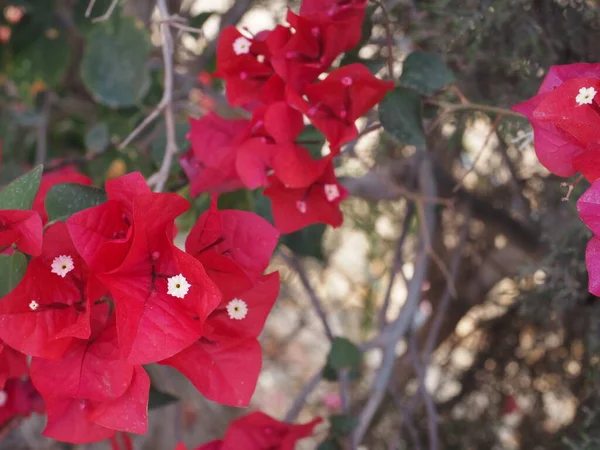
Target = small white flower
(3,398)
(62,265)
(347,81)
(33,305)
(585,96)
(241,46)
(301,206)
(331,192)
(178,286)
(237,309)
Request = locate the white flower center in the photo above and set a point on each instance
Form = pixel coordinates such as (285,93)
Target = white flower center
(237,309)
(241,46)
(33,305)
(301,206)
(3,398)
(332,192)
(62,265)
(178,286)
(347,81)
(585,96)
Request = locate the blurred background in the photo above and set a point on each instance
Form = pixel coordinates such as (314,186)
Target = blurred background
(504,348)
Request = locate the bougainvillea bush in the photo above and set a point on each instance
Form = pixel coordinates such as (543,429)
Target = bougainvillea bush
(155,180)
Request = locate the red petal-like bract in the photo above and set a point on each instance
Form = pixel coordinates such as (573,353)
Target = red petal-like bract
(20,399)
(13,364)
(22,228)
(60,310)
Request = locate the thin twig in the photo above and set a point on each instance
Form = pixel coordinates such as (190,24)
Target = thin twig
(492,131)
(108,12)
(42,131)
(143,124)
(405,318)
(89,8)
(159,179)
(389,36)
(293,262)
(453,107)
(298,403)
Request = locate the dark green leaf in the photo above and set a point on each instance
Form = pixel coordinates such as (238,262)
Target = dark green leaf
(21,192)
(241,199)
(344,355)
(313,140)
(425,73)
(97,138)
(342,424)
(65,199)
(12,269)
(400,114)
(159,398)
(329,444)
(198,20)
(307,241)
(114,66)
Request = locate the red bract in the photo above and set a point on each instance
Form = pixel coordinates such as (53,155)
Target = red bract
(210,162)
(103,234)
(258,431)
(270,144)
(22,228)
(225,363)
(12,364)
(51,305)
(19,399)
(234,247)
(162,295)
(588,206)
(335,103)
(67,174)
(555,150)
(294,209)
(571,111)
(243,62)
(81,421)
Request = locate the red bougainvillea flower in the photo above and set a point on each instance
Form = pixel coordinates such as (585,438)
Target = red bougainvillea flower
(294,209)
(19,399)
(233,246)
(554,149)
(210,162)
(103,234)
(12,364)
(243,62)
(22,228)
(162,295)
(335,103)
(225,363)
(588,207)
(68,174)
(81,421)
(258,431)
(269,145)
(51,305)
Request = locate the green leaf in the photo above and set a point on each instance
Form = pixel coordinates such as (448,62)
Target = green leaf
(159,398)
(45,60)
(425,73)
(12,269)
(344,355)
(241,199)
(313,140)
(97,139)
(329,444)
(65,199)
(307,241)
(342,424)
(114,66)
(21,192)
(199,20)
(400,114)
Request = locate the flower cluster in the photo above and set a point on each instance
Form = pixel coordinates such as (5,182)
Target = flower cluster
(565,116)
(258,431)
(280,77)
(107,291)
